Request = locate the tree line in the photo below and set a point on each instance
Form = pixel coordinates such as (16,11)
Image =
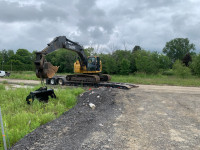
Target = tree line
(22,60)
(177,57)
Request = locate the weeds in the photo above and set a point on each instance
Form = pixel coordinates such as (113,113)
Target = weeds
(2,87)
(21,118)
(5,82)
(26,75)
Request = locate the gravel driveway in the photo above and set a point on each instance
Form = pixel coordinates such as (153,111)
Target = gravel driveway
(149,117)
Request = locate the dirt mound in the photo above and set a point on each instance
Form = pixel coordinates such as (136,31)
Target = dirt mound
(79,128)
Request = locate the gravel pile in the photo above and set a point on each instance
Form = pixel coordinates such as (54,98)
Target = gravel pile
(79,128)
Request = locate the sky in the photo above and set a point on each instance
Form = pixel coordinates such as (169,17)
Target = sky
(106,25)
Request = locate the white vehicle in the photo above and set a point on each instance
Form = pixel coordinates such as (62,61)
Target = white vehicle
(4,73)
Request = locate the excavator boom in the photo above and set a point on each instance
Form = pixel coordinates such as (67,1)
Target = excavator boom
(45,69)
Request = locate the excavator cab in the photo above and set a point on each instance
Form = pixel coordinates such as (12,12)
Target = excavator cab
(93,63)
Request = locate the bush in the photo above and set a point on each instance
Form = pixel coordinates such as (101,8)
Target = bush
(147,62)
(20,67)
(169,72)
(125,67)
(195,65)
(181,70)
(109,64)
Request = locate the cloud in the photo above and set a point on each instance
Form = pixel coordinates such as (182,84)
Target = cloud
(16,12)
(104,24)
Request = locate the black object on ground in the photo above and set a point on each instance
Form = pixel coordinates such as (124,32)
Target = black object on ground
(42,94)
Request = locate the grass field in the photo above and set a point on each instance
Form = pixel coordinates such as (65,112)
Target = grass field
(157,80)
(20,118)
(136,79)
(26,75)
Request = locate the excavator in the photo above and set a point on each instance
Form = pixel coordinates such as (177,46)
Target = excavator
(86,69)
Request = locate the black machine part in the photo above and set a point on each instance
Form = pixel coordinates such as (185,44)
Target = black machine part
(42,94)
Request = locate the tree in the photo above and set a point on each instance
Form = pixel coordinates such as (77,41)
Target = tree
(89,51)
(136,48)
(24,56)
(164,62)
(147,62)
(186,59)
(119,55)
(195,65)
(181,70)
(125,67)
(4,56)
(10,53)
(178,48)
(108,64)
(133,67)
(64,59)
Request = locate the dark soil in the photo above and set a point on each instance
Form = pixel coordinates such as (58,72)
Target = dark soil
(71,129)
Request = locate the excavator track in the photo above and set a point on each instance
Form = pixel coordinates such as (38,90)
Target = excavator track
(83,78)
(104,77)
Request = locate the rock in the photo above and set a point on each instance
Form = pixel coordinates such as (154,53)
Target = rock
(92,105)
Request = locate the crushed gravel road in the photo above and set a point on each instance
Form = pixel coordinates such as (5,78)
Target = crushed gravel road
(148,117)
(19,81)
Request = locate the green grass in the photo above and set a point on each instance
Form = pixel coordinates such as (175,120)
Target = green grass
(26,75)
(157,80)
(20,118)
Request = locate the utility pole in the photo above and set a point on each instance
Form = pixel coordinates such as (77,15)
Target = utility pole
(2,129)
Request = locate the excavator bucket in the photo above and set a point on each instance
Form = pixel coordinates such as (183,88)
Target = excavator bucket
(44,69)
(48,71)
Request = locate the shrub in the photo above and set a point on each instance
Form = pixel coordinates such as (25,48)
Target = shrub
(195,65)
(147,62)
(125,67)
(181,70)
(169,72)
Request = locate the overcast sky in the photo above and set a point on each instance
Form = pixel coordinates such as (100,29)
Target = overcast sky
(104,24)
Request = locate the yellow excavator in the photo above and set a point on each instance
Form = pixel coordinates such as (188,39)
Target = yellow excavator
(86,69)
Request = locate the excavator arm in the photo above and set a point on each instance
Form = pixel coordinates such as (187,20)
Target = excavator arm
(45,69)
